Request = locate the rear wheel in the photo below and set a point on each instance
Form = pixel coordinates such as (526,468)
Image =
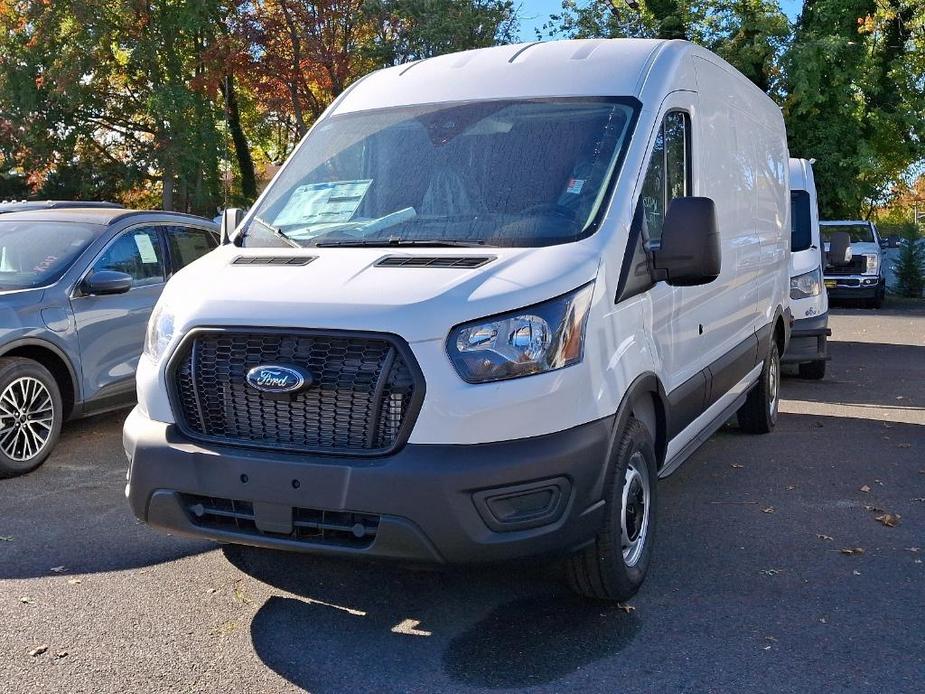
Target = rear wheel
(758,414)
(814,370)
(614,566)
(877,301)
(30,415)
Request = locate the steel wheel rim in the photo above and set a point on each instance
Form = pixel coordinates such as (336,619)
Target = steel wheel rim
(27,418)
(773,385)
(634,515)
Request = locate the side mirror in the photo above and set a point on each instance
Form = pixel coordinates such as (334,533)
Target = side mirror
(107,282)
(231,218)
(884,243)
(840,248)
(689,253)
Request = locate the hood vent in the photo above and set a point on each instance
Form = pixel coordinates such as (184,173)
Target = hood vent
(460,262)
(273,260)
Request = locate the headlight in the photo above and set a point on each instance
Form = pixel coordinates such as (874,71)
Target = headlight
(160,332)
(873,265)
(806,285)
(539,338)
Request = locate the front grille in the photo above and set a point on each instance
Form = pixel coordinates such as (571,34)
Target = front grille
(315,526)
(364,395)
(857,266)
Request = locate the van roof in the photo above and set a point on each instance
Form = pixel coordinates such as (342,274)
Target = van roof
(800,172)
(581,67)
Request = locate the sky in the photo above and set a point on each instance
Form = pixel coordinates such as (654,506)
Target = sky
(534,14)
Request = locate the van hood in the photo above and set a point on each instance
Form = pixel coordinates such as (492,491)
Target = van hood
(345,289)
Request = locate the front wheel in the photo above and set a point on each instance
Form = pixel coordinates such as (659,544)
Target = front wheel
(30,415)
(614,565)
(758,414)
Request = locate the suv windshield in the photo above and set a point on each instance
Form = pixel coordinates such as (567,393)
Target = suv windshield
(861,232)
(501,173)
(34,254)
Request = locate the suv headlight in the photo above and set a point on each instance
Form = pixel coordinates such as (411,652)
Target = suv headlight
(806,285)
(873,265)
(160,332)
(533,340)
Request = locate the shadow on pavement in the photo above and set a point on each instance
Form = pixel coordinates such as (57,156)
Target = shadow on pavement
(72,512)
(361,626)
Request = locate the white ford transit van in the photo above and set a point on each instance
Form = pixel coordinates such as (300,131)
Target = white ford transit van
(490,299)
(809,302)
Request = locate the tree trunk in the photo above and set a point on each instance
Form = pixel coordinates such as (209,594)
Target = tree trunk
(167,194)
(241,149)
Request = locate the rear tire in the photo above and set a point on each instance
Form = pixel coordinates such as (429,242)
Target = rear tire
(877,301)
(614,566)
(30,415)
(814,370)
(758,414)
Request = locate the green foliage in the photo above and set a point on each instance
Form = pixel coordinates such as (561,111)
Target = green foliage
(910,269)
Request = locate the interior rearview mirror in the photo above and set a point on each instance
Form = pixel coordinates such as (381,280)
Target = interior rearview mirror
(689,253)
(840,248)
(107,282)
(231,218)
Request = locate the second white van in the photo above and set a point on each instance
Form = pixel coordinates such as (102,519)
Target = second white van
(491,298)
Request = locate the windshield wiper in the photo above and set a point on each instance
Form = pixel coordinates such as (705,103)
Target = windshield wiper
(386,243)
(277,232)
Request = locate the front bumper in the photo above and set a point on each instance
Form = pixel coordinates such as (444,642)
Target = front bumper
(432,503)
(854,287)
(808,340)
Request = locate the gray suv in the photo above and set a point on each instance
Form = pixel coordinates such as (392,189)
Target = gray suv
(76,288)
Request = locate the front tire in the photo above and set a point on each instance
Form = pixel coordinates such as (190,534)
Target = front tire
(30,415)
(614,566)
(814,370)
(758,414)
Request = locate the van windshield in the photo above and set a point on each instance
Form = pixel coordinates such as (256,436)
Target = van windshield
(500,173)
(34,254)
(859,233)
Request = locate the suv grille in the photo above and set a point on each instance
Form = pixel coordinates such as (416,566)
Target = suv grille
(341,528)
(363,399)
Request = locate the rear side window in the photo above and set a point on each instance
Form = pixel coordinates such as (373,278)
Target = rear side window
(669,175)
(137,252)
(800,221)
(187,244)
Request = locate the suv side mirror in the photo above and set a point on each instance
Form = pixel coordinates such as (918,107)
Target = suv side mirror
(840,248)
(231,218)
(689,253)
(107,282)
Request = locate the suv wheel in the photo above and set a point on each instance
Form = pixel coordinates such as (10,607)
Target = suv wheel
(813,369)
(758,414)
(30,415)
(614,565)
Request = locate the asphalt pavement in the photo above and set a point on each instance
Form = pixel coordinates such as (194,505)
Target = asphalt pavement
(791,562)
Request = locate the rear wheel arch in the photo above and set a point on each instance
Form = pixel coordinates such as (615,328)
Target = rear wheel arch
(53,359)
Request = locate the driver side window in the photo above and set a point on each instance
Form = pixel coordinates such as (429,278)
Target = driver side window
(136,252)
(668,176)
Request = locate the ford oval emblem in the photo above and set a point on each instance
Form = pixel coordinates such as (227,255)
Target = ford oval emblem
(276,378)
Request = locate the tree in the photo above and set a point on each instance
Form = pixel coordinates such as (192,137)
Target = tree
(910,268)
(856,98)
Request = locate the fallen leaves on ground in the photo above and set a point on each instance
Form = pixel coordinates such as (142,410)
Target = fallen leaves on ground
(824,537)
(61,654)
(919,498)
(790,487)
(890,520)
(6,538)
(852,550)
(25,600)
(57,569)
(769,509)
(626,608)
(865,489)
(240,594)
(856,572)
(736,466)
(904,445)
(874,509)
(770,572)
(73,581)
(38,650)
(912,549)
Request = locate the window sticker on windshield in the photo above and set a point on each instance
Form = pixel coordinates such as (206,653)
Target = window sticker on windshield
(145,248)
(320,203)
(575,185)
